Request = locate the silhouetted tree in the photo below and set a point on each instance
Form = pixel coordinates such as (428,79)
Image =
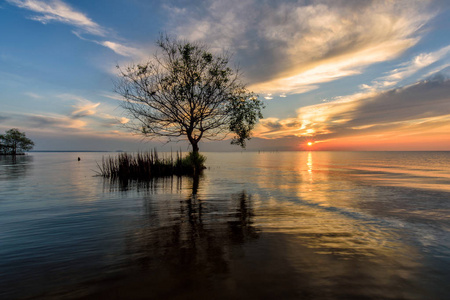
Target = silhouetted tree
(15,142)
(185,90)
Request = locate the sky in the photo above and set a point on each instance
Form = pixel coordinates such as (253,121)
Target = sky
(337,74)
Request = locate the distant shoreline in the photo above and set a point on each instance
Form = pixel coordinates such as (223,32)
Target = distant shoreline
(73,151)
(242,151)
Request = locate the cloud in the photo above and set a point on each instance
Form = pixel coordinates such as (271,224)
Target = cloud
(274,127)
(124,120)
(84,109)
(293,46)
(83,120)
(88,111)
(410,68)
(54,122)
(422,100)
(40,121)
(410,110)
(223,24)
(107,120)
(58,11)
(442,69)
(121,49)
(45,122)
(113,96)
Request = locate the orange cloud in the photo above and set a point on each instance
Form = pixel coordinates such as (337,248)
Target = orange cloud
(373,120)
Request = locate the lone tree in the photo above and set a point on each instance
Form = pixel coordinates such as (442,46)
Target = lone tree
(185,90)
(15,142)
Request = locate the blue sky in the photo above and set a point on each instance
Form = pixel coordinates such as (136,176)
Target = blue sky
(345,75)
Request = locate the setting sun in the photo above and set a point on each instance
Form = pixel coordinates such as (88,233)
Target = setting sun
(310,143)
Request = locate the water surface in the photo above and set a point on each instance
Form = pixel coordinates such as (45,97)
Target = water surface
(309,225)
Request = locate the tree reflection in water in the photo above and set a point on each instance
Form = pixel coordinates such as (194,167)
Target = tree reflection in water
(14,166)
(182,247)
(195,237)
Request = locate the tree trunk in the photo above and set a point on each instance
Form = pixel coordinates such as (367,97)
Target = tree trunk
(193,141)
(194,146)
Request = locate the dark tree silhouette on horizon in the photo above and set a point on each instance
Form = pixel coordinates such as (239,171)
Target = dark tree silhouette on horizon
(14,142)
(187,91)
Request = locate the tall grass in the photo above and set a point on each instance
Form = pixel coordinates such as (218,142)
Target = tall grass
(148,165)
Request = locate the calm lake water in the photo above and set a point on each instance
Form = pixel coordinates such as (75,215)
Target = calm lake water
(280,225)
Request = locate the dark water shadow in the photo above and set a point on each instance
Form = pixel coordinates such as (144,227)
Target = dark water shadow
(13,167)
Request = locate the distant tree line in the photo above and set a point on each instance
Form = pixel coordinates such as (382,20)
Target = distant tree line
(14,142)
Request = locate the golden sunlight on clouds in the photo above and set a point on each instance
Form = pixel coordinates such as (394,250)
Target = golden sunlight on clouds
(311,120)
(295,47)
(335,43)
(124,120)
(363,120)
(76,124)
(85,109)
(306,77)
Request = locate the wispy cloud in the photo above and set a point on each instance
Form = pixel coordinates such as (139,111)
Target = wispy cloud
(84,119)
(292,47)
(33,95)
(112,96)
(85,109)
(45,122)
(91,114)
(122,49)
(444,69)
(82,107)
(56,11)
(410,68)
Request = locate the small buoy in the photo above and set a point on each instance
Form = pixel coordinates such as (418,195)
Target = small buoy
(79,159)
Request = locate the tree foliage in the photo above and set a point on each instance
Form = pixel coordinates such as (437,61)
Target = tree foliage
(14,142)
(186,91)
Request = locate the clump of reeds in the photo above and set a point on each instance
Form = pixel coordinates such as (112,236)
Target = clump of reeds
(148,165)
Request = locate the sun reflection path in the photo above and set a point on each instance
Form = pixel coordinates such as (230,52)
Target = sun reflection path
(309,163)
